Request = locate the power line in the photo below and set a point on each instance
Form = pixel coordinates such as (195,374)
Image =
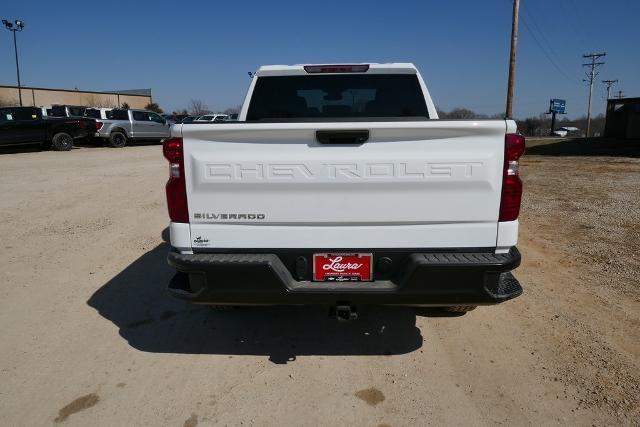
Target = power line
(542,48)
(591,75)
(532,21)
(557,67)
(577,8)
(514,40)
(576,29)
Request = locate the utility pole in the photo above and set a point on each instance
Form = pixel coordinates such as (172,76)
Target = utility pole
(609,83)
(512,58)
(591,75)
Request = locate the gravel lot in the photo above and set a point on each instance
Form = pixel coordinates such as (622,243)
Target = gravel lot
(90,338)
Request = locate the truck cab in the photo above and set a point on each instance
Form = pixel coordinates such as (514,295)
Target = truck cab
(63,110)
(97,112)
(20,125)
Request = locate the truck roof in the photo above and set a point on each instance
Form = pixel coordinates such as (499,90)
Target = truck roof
(373,68)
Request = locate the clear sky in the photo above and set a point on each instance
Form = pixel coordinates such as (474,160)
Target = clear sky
(185,50)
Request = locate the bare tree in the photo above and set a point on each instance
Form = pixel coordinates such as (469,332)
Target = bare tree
(233,110)
(92,100)
(153,106)
(198,107)
(460,113)
(536,125)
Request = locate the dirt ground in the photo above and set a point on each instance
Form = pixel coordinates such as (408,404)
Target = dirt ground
(89,336)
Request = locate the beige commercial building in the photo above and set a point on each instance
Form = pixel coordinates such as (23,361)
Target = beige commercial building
(40,96)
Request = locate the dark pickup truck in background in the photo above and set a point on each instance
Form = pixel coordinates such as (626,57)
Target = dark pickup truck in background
(25,125)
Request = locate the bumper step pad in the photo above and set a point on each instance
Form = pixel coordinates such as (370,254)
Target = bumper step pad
(507,287)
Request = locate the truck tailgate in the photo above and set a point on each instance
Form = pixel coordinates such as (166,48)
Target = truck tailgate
(422,184)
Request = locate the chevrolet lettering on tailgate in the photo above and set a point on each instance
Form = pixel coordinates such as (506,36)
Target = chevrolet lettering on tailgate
(352,171)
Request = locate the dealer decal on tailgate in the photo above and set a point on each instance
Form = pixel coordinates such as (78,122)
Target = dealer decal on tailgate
(342,267)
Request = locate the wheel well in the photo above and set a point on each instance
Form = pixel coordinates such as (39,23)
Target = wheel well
(60,129)
(120,130)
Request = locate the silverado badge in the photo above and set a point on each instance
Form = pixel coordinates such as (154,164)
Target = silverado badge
(199,241)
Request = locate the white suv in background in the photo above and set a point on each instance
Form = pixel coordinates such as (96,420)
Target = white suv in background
(212,118)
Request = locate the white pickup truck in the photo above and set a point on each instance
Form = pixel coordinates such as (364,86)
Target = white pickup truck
(339,185)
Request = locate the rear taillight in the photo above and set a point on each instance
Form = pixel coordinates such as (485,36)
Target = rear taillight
(176,186)
(511,183)
(338,68)
(98,125)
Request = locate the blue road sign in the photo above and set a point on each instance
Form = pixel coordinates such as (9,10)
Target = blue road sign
(557,106)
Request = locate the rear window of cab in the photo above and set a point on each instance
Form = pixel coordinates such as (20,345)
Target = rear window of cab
(391,96)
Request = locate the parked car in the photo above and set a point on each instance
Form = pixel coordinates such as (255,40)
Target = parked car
(339,185)
(174,118)
(212,118)
(125,125)
(565,130)
(189,119)
(169,118)
(26,125)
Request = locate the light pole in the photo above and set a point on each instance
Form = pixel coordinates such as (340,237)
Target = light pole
(17,25)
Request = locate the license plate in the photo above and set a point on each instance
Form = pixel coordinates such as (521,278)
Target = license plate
(342,267)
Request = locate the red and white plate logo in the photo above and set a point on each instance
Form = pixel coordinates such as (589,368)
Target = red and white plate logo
(342,267)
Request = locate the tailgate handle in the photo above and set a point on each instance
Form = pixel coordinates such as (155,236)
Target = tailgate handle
(342,136)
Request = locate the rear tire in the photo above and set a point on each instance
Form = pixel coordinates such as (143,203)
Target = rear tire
(460,308)
(117,139)
(62,141)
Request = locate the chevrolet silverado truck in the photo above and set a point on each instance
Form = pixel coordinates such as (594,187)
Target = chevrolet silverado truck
(125,125)
(338,185)
(26,125)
